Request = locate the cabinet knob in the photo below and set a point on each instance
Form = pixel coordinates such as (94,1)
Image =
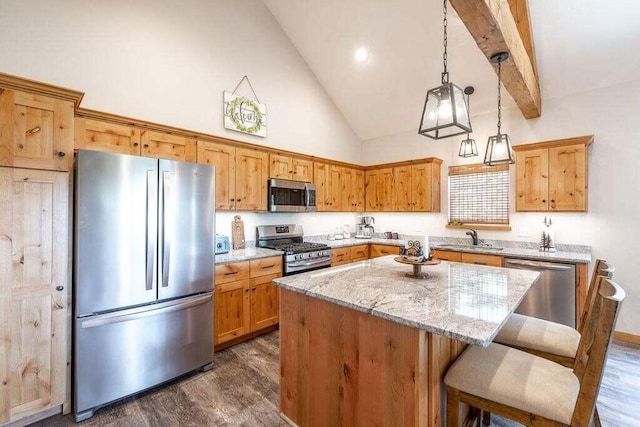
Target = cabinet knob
(61,154)
(253,289)
(146,145)
(233,200)
(247,290)
(135,144)
(59,288)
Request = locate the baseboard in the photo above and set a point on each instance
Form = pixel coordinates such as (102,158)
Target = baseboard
(247,337)
(626,337)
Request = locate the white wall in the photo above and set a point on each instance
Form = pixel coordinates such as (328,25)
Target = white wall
(169,62)
(614,181)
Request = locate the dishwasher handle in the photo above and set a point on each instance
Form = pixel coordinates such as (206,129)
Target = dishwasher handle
(538,265)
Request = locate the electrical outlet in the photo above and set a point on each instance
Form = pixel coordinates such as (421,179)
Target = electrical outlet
(524,232)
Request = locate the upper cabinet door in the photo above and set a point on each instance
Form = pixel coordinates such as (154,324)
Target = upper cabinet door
(302,170)
(167,146)
(532,177)
(425,188)
(371,190)
(280,167)
(252,172)
(387,193)
(103,136)
(36,131)
(336,188)
(321,181)
(223,157)
(404,188)
(568,178)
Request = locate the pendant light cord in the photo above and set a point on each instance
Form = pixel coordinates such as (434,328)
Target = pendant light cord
(445,74)
(499,98)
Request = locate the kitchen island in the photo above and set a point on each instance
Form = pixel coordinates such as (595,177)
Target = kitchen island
(363,344)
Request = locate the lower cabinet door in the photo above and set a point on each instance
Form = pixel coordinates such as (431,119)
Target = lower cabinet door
(264,302)
(232,319)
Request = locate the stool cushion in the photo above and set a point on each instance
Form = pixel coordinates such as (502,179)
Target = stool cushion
(517,379)
(538,334)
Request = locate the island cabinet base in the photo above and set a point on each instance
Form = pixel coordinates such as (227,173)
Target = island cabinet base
(342,367)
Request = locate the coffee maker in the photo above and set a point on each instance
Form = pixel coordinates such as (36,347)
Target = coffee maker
(364,229)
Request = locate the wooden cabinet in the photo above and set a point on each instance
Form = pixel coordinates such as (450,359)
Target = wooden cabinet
(349,254)
(167,146)
(404,188)
(359,253)
(322,181)
(481,259)
(223,157)
(379,190)
(469,258)
(122,139)
(245,299)
(104,136)
(447,255)
(34,291)
(251,179)
(340,256)
(552,175)
(352,190)
(285,167)
(241,175)
(383,250)
(36,131)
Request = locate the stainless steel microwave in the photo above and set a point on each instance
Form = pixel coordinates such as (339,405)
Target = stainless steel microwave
(291,196)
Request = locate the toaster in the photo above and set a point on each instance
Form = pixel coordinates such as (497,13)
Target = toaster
(222,244)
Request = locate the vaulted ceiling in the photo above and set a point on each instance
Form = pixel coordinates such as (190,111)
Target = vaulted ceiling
(579,45)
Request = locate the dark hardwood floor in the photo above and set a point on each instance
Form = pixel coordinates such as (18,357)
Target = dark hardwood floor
(242,389)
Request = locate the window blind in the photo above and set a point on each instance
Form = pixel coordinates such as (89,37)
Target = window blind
(479,194)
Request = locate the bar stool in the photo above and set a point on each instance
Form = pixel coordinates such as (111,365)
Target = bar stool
(553,341)
(533,390)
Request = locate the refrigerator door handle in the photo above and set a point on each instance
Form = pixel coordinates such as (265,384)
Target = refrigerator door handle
(147,310)
(151,230)
(166,242)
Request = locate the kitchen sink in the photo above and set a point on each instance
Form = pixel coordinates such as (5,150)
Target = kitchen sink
(470,247)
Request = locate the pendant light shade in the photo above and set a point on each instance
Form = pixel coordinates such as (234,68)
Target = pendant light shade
(445,111)
(499,150)
(468,147)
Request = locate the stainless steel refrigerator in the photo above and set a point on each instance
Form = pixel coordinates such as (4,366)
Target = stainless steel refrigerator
(143,274)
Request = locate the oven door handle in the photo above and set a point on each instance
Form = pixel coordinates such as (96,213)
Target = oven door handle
(305,264)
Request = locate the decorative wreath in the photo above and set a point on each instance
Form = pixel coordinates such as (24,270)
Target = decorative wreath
(236,104)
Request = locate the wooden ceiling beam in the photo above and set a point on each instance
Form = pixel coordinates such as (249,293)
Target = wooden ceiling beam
(504,26)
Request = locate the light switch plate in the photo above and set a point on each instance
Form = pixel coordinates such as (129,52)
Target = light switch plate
(524,232)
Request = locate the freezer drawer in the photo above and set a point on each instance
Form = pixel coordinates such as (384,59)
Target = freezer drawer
(121,353)
(554,296)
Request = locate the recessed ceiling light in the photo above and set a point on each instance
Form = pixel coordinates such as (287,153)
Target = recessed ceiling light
(361,54)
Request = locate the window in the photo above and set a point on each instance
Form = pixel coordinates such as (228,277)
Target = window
(479,195)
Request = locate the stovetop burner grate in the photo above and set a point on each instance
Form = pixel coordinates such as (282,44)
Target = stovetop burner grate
(297,247)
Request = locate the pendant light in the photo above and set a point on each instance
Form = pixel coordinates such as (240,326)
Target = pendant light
(468,147)
(499,149)
(445,111)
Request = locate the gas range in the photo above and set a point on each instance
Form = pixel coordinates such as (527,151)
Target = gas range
(299,256)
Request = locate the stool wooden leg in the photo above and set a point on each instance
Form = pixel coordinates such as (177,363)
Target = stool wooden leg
(453,409)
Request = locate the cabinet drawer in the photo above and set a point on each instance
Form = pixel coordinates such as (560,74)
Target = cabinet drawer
(340,256)
(231,272)
(493,260)
(360,252)
(383,250)
(447,255)
(263,266)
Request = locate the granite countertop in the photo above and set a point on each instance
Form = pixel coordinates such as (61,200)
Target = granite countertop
(509,249)
(237,255)
(462,301)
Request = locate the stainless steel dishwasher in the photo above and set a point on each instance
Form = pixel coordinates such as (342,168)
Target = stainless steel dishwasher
(554,296)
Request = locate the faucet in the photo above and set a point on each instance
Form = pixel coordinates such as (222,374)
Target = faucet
(474,236)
